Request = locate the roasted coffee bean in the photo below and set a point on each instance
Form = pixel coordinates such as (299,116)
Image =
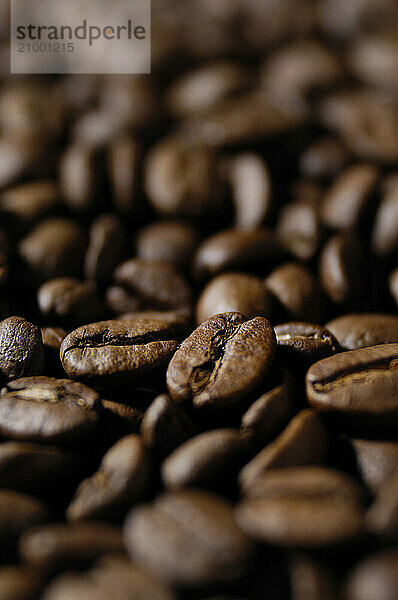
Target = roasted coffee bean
(124,161)
(179,320)
(296,290)
(69,301)
(17,513)
(121,418)
(20,583)
(52,339)
(165,426)
(105,249)
(373,58)
(149,285)
(250,182)
(340,269)
(384,235)
(270,412)
(234,249)
(376,461)
(72,585)
(374,577)
(61,545)
(367,329)
(208,460)
(298,229)
(359,386)
(299,345)
(81,171)
(188,538)
(382,517)
(21,349)
(222,362)
(123,478)
(303,442)
(47,410)
(199,89)
(54,248)
(324,158)
(308,507)
(345,201)
(393,283)
(310,580)
(234,292)
(118,353)
(30,201)
(170,241)
(35,467)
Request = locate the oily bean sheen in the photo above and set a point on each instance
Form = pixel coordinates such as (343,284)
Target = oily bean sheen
(367,329)
(303,343)
(118,353)
(21,349)
(222,361)
(374,577)
(123,478)
(188,538)
(360,386)
(303,507)
(48,410)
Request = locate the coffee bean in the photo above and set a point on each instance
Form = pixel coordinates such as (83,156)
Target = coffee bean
(69,301)
(367,329)
(179,320)
(19,583)
(28,202)
(208,460)
(33,467)
(165,426)
(150,285)
(123,478)
(267,415)
(296,290)
(60,545)
(124,161)
(374,577)
(382,517)
(359,386)
(170,241)
(384,235)
(71,586)
(21,349)
(345,201)
(54,248)
(81,172)
(234,292)
(323,158)
(222,362)
(118,353)
(298,229)
(52,339)
(341,269)
(187,538)
(299,345)
(105,249)
(17,513)
(310,579)
(303,442)
(373,58)
(52,411)
(308,507)
(393,284)
(376,461)
(233,249)
(121,418)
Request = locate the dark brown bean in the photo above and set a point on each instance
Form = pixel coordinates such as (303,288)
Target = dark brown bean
(105,249)
(17,513)
(341,270)
(70,301)
(382,517)
(21,349)
(20,583)
(170,241)
(376,461)
(367,329)
(124,173)
(299,345)
(30,201)
(374,577)
(298,229)
(324,158)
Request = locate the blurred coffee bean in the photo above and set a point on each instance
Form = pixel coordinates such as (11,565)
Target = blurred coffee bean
(5,255)
(170,241)
(303,442)
(61,545)
(296,291)
(165,426)
(69,586)
(148,285)
(324,158)
(236,250)
(234,292)
(17,513)
(209,460)
(393,284)
(28,202)
(19,157)
(20,583)
(382,517)
(105,249)
(250,182)
(21,349)
(54,248)
(47,410)
(124,161)
(308,507)
(52,339)
(384,235)
(69,301)
(222,362)
(359,387)
(376,461)
(123,478)
(115,354)
(203,87)
(310,580)
(341,272)
(374,577)
(271,411)
(81,173)
(298,229)
(346,199)
(367,329)
(188,538)
(373,58)
(121,419)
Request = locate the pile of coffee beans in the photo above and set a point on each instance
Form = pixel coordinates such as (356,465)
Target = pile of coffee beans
(199,313)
